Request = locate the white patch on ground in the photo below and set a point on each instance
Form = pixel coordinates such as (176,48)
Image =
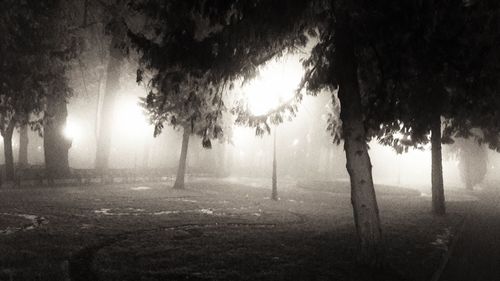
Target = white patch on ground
(180,199)
(103,211)
(35,222)
(128,212)
(165,213)
(141,188)
(9,230)
(443,240)
(207,211)
(135,210)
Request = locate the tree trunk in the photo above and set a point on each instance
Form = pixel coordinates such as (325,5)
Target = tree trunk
(438,202)
(181,171)
(274,194)
(363,198)
(468,173)
(23,146)
(110,94)
(55,144)
(9,156)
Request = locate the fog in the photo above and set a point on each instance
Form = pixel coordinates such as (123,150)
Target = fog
(305,149)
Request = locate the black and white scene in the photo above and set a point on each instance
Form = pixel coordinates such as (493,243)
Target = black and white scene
(230,140)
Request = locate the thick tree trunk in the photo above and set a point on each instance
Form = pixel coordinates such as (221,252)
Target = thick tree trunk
(274,194)
(55,144)
(468,173)
(9,156)
(23,146)
(110,94)
(438,201)
(181,171)
(363,198)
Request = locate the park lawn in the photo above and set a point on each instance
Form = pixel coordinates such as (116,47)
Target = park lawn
(214,230)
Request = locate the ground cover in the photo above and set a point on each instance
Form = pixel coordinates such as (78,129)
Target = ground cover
(216,229)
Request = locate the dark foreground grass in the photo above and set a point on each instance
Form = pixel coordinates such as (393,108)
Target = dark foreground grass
(213,230)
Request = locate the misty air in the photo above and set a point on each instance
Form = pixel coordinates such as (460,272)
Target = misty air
(249,140)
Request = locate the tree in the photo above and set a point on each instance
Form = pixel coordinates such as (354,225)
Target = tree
(23,146)
(31,66)
(56,145)
(472,164)
(116,28)
(219,43)
(62,48)
(333,64)
(193,61)
(189,109)
(439,74)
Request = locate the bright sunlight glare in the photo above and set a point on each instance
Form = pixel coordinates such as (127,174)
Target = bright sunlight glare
(275,84)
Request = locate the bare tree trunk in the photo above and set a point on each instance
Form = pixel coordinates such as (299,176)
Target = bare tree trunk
(56,145)
(468,173)
(23,146)
(181,171)
(274,194)
(363,198)
(438,201)
(9,156)
(110,94)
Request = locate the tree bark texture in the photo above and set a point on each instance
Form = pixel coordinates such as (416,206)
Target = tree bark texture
(181,171)
(363,198)
(274,194)
(8,154)
(23,145)
(56,145)
(438,201)
(111,92)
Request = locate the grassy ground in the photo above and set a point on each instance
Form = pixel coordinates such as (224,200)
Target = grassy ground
(214,230)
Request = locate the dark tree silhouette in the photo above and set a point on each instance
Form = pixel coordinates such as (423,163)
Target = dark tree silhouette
(225,41)
(116,28)
(436,75)
(34,32)
(23,145)
(397,67)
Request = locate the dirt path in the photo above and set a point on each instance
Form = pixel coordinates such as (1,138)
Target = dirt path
(477,253)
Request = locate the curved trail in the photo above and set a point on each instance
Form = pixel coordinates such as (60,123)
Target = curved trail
(80,264)
(477,253)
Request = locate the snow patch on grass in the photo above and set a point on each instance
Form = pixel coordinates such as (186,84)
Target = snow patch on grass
(116,212)
(141,188)
(35,222)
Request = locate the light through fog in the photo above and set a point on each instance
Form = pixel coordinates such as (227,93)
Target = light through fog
(129,116)
(275,84)
(305,148)
(72,130)
(95,185)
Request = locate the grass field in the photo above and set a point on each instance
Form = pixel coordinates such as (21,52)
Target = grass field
(216,229)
